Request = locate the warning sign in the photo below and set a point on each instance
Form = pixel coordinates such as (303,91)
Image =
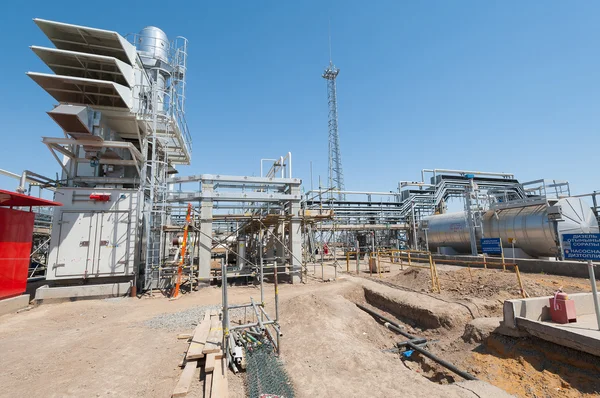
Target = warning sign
(581,246)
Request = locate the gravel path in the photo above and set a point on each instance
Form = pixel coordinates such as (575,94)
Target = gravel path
(188,319)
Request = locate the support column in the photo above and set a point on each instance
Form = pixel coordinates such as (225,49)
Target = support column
(295,230)
(205,241)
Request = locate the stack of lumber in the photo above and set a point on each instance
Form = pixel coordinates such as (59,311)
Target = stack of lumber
(205,352)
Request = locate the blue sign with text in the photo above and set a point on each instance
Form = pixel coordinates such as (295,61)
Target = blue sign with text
(581,246)
(491,246)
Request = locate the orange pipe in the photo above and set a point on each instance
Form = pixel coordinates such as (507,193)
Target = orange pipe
(188,219)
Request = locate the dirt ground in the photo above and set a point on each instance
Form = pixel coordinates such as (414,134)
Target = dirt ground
(330,348)
(104,348)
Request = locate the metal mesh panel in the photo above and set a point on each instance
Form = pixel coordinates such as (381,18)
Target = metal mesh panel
(265,373)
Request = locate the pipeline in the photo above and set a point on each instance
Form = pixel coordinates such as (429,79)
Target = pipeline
(415,344)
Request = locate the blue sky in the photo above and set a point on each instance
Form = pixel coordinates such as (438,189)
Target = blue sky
(487,85)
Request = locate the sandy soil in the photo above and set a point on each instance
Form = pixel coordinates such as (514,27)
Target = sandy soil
(103,348)
(524,367)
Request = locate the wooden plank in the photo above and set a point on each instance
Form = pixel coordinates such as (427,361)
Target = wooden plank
(217,380)
(224,385)
(209,365)
(207,384)
(215,337)
(195,350)
(184,336)
(183,385)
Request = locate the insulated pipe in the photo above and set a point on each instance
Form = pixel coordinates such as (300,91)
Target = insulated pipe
(435,171)
(22,183)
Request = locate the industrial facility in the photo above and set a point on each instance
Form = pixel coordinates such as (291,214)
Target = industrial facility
(125,223)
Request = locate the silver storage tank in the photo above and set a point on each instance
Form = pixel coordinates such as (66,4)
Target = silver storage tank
(528,224)
(154,42)
(153,47)
(448,230)
(533,232)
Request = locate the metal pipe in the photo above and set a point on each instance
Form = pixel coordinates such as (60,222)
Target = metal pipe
(352,192)
(387,320)
(225,306)
(22,182)
(232,307)
(594,291)
(261,265)
(435,171)
(258,317)
(250,325)
(445,364)
(269,319)
(394,326)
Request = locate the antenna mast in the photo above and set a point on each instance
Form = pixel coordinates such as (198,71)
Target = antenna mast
(336,175)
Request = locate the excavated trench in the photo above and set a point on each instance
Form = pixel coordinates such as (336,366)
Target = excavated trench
(526,367)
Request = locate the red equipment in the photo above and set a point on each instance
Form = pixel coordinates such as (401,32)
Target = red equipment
(562,309)
(16,235)
(100,197)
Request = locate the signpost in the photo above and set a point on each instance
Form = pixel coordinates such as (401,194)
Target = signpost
(512,241)
(491,246)
(584,247)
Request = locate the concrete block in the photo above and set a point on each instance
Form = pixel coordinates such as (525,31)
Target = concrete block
(13,304)
(538,308)
(87,291)
(577,336)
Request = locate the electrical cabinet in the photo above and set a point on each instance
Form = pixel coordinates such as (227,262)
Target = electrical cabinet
(94,234)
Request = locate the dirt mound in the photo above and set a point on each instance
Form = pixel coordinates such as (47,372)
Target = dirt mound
(332,348)
(414,278)
(487,283)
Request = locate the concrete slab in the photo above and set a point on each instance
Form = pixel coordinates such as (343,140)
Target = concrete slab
(582,335)
(481,388)
(538,308)
(13,304)
(46,293)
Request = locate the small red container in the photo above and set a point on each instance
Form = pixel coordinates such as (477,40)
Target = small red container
(562,309)
(16,235)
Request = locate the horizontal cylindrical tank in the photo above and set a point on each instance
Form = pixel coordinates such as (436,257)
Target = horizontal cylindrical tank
(529,225)
(153,41)
(448,230)
(533,232)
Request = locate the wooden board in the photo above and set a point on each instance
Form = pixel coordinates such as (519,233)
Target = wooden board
(208,384)
(217,380)
(184,336)
(215,337)
(195,350)
(211,358)
(183,385)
